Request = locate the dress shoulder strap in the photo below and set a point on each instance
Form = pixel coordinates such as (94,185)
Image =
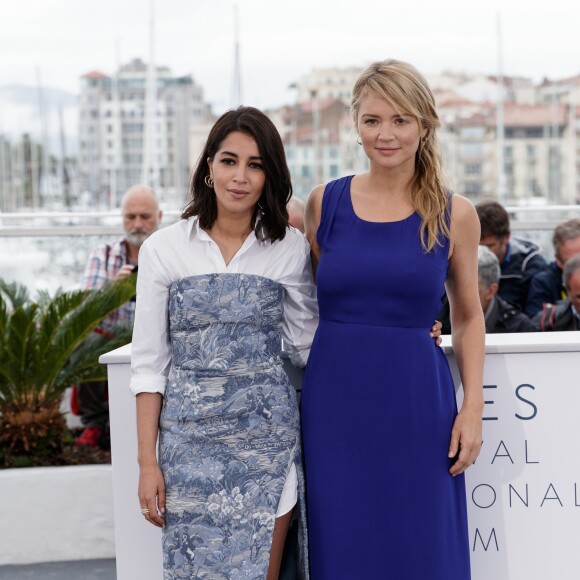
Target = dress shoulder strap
(333,193)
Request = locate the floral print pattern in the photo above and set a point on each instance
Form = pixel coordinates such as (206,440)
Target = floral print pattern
(229,427)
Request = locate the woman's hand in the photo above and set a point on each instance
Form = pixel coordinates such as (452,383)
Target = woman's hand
(152,494)
(465,439)
(436,332)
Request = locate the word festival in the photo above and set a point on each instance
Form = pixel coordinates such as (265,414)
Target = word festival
(517,478)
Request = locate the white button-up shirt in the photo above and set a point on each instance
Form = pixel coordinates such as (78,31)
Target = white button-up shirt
(184,249)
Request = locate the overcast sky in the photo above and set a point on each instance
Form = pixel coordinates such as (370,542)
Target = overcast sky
(281,40)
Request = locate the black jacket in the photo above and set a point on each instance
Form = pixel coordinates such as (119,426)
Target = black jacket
(557,316)
(522,261)
(545,287)
(501,316)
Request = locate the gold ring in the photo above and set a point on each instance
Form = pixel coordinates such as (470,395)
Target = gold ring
(145,511)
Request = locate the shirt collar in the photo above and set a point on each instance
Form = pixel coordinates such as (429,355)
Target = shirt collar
(203,236)
(490,309)
(508,253)
(193,226)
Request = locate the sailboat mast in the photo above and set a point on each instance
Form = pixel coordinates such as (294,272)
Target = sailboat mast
(499,118)
(149,171)
(64,175)
(237,80)
(117,128)
(44,174)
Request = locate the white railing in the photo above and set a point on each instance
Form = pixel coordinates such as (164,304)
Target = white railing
(49,224)
(48,250)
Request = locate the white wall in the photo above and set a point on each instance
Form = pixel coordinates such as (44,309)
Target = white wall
(531,434)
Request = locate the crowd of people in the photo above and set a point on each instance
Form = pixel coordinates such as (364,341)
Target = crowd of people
(518,290)
(521,292)
(227,462)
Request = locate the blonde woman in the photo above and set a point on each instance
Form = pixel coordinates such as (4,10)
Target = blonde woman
(385,446)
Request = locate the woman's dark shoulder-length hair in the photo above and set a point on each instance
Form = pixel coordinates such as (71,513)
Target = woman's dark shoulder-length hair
(270,218)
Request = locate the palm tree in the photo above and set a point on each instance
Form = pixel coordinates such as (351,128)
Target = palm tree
(46,345)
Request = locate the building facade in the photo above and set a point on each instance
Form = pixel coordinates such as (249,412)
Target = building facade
(538,147)
(529,154)
(319,141)
(129,133)
(326,83)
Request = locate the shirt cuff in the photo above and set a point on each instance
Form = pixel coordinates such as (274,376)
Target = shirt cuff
(298,358)
(147,384)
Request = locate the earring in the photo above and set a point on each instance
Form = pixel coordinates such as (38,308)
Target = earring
(208,181)
(359,141)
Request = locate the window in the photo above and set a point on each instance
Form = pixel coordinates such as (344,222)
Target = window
(473,169)
(554,153)
(471,149)
(534,188)
(537,132)
(473,188)
(473,132)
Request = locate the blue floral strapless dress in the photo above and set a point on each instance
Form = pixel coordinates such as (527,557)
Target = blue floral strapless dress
(229,427)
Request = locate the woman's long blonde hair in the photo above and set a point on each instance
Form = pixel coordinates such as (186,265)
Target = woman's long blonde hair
(407,91)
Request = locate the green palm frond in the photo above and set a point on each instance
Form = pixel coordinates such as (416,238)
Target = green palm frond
(47,345)
(16,294)
(82,368)
(18,349)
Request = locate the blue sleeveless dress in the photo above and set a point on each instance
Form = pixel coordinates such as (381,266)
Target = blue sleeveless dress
(378,406)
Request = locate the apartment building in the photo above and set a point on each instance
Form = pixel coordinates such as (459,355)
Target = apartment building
(537,143)
(539,154)
(114,118)
(319,141)
(327,83)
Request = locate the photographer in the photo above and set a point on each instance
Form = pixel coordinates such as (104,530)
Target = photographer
(109,262)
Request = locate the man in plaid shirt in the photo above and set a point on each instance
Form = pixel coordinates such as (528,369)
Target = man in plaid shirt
(141,217)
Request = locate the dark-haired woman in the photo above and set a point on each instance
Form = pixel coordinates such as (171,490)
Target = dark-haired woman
(217,293)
